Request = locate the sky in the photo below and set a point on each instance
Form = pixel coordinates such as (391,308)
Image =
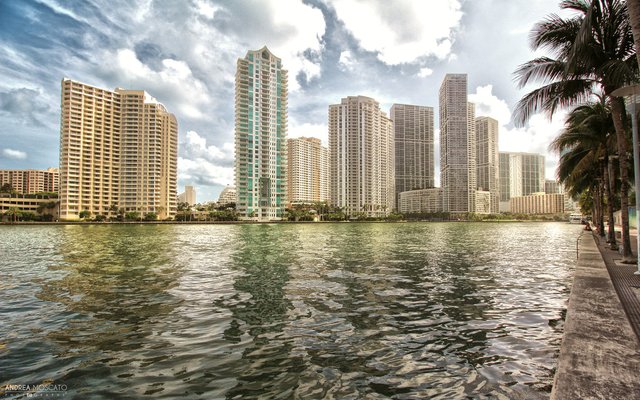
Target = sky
(184,54)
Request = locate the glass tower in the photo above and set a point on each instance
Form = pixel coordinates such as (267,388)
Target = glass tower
(261,136)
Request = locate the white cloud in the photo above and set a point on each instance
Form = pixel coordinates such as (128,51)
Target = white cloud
(174,79)
(534,138)
(346,61)
(424,72)
(307,25)
(403,31)
(206,9)
(205,164)
(203,172)
(59,9)
(196,147)
(487,104)
(306,129)
(14,154)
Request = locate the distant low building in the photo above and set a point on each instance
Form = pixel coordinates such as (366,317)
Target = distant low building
(227,196)
(31,181)
(188,196)
(483,201)
(538,203)
(40,205)
(420,201)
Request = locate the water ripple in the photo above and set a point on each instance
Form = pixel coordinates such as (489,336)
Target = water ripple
(348,311)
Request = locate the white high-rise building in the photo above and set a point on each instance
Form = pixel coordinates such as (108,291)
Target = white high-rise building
(118,150)
(487,160)
(261,136)
(414,148)
(521,174)
(362,157)
(308,170)
(457,146)
(526,173)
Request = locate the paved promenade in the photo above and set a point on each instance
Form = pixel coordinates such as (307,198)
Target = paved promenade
(600,352)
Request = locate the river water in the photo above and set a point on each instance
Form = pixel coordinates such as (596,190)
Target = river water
(344,310)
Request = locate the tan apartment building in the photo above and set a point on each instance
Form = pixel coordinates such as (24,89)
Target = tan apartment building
(117,149)
(31,181)
(538,203)
(487,162)
(361,151)
(414,147)
(308,170)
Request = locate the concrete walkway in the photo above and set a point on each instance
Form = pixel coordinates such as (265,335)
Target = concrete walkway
(600,352)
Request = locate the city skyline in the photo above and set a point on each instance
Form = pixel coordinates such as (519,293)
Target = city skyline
(329,54)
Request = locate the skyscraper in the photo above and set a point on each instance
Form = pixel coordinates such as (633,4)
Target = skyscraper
(414,150)
(261,136)
(457,146)
(307,171)
(487,159)
(117,148)
(505,179)
(362,157)
(533,174)
(521,174)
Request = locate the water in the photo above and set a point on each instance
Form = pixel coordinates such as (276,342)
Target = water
(345,311)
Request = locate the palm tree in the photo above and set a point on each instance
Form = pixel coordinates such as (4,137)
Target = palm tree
(113,209)
(589,138)
(13,212)
(634,19)
(594,53)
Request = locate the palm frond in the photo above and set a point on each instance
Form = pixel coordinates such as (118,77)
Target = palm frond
(551,97)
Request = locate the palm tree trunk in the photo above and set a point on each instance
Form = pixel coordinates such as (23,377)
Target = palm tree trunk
(617,112)
(633,7)
(597,203)
(608,177)
(601,194)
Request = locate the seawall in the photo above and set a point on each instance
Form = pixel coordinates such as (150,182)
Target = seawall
(600,353)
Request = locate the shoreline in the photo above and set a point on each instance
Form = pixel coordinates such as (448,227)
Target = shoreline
(28,223)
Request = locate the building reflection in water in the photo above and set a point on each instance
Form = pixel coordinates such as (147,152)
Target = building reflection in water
(115,292)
